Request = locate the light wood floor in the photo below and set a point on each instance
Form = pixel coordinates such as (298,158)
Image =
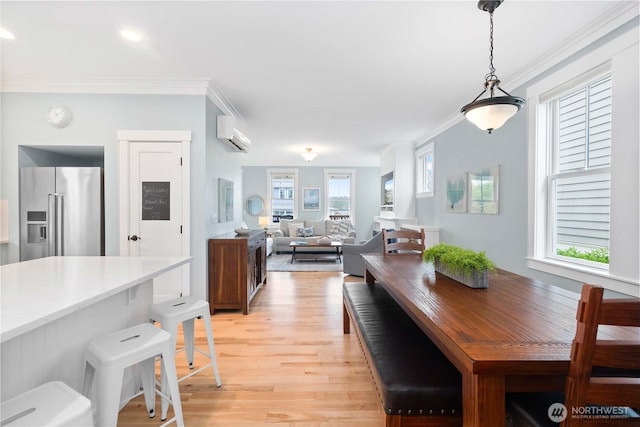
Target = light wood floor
(287,363)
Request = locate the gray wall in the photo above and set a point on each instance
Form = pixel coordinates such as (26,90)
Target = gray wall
(221,162)
(464,148)
(96,119)
(367,197)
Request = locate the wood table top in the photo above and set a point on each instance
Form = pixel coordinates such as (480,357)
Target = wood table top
(516,325)
(514,335)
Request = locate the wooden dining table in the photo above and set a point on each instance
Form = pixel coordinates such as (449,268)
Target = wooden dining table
(513,336)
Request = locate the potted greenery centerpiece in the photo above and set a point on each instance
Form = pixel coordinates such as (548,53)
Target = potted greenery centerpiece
(462,265)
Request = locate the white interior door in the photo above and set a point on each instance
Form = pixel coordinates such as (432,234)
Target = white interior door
(157,206)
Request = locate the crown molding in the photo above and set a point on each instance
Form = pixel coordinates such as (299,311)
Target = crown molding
(215,94)
(617,16)
(206,87)
(106,86)
(620,14)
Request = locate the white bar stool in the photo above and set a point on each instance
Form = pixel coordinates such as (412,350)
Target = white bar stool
(108,356)
(52,404)
(185,310)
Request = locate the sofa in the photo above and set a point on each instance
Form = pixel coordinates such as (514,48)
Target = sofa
(353,262)
(298,230)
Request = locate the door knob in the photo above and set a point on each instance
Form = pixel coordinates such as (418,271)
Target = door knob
(134,238)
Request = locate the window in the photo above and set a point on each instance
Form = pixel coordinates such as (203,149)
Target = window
(339,188)
(584,193)
(282,188)
(579,181)
(424,171)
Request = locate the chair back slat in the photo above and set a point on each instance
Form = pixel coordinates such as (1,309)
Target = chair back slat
(617,359)
(615,391)
(617,354)
(620,312)
(402,241)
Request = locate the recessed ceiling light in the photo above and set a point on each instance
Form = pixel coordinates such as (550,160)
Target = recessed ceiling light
(131,35)
(6,34)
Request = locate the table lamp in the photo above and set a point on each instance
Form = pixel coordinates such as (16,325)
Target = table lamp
(263,222)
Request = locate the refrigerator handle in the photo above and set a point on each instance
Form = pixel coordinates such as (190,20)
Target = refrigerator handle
(59,224)
(51,209)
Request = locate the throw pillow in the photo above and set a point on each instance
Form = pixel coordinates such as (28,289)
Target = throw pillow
(293,228)
(284,226)
(344,227)
(333,228)
(305,231)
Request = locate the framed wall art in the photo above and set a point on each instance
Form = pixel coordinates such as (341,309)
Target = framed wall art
(310,199)
(483,190)
(225,200)
(456,193)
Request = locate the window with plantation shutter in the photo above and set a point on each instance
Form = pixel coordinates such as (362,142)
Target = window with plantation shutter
(580,186)
(584,180)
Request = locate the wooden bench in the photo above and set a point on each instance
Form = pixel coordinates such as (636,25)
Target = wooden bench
(417,384)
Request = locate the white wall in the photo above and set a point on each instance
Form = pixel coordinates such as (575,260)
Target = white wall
(400,159)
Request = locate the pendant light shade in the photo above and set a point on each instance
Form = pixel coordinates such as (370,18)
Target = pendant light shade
(492,112)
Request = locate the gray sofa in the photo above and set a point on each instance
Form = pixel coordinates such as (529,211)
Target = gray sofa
(342,231)
(353,263)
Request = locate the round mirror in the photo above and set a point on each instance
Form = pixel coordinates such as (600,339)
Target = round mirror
(255,205)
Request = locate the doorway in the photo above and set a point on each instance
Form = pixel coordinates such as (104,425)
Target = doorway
(154,202)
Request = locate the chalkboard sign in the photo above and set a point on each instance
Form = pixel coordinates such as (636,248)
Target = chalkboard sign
(155,201)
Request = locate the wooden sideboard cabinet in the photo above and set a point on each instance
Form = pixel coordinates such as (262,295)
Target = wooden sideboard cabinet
(237,269)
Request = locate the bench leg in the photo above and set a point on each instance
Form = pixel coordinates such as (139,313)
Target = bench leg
(392,420)
(346,323)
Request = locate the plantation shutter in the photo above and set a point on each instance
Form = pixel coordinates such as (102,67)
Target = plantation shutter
(582,200)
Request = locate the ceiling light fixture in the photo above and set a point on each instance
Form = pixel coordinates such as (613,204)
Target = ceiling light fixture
(308,155)
(492,112)
(131,35)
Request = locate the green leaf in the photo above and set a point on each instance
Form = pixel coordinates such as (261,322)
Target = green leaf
(458,260)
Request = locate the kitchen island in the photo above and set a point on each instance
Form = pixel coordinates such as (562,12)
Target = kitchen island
(52,307)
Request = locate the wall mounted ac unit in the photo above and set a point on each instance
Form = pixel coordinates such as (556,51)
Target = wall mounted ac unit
(231,136)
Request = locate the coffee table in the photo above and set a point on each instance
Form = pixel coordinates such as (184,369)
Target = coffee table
(317,254)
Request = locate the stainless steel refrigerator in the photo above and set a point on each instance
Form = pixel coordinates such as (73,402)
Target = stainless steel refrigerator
(61,211)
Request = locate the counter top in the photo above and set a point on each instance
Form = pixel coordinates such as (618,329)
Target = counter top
(33,293)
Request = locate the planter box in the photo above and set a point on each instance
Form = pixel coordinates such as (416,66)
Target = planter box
(477,279)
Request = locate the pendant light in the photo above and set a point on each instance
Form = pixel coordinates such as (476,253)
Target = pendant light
(492,112)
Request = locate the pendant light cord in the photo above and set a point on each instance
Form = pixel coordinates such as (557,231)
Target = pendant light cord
(491,80)
(492,69)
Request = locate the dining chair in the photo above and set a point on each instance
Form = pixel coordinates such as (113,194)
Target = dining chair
(621,388)
(397,241)
(603,385)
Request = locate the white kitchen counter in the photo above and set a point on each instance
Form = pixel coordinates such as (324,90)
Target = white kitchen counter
(51,307)
(39,291)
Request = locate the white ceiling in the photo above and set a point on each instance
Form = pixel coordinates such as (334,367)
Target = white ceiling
(345,78)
